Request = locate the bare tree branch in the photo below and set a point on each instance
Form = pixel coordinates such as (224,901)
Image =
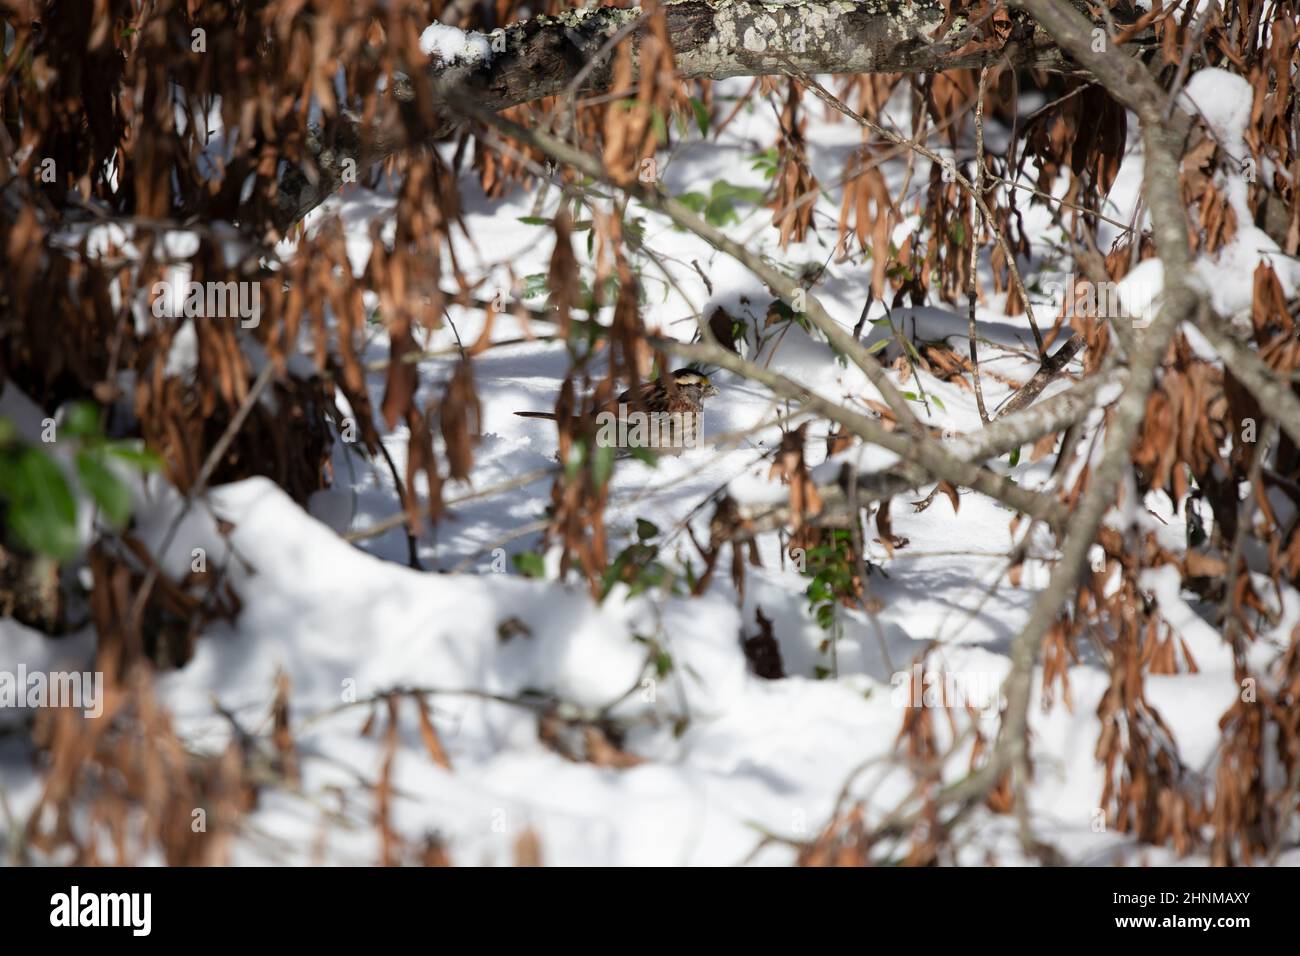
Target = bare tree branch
(1051,367)
(928,454)
(1273,394)
(971,289)
(1128,81)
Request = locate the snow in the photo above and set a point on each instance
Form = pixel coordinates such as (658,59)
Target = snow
(1224,100)
(451,45)
(1139,291)
(311,611)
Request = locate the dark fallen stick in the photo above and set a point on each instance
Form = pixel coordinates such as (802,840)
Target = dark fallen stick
(1052,366)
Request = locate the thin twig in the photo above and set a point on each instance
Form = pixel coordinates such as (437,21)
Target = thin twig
(385,525)
(974,246)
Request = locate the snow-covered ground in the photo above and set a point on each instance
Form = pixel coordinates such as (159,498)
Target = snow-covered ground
(727,758)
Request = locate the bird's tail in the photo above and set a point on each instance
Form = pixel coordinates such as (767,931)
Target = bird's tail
(547,415)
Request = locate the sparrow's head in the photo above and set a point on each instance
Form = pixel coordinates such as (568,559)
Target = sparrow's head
(694,382)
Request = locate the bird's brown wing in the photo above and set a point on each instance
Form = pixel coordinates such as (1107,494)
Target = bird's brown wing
(653,396)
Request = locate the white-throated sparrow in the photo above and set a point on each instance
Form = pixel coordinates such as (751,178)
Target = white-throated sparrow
(668,421)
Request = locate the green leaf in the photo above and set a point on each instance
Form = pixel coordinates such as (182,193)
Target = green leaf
(718,208)
(719,212)
(724,190)
(531,564)
(766,161)
(42,511)
(534,285)
(645,530)
(82,420)
(646,455)
(635,228)
(693,201)
(112,496)
(1015,458)
(939,402)
(663,663)
(602,465)
(535,220)
(135,454)
(660,127)
(701,116)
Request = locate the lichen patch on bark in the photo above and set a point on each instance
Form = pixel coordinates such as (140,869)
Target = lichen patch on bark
(759,27)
